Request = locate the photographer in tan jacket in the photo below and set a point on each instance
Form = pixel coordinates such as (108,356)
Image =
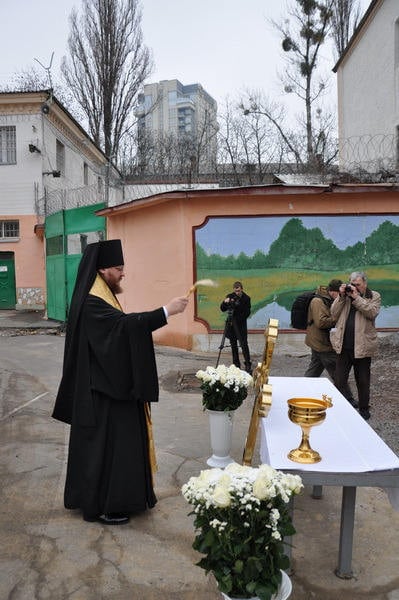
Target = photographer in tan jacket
(354,337)
(320,321)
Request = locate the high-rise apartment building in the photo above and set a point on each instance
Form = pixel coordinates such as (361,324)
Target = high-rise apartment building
(170,111)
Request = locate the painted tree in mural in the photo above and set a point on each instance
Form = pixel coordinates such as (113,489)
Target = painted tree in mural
(298,247)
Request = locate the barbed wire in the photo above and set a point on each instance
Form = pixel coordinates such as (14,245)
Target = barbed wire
(362,159)
(63,199)
(369,157)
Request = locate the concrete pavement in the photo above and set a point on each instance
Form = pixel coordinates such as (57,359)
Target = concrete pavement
(48,553)
(27,320)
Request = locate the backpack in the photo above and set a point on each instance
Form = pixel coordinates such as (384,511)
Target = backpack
(299,309)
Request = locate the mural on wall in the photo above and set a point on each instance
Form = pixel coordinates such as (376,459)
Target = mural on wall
(276,258)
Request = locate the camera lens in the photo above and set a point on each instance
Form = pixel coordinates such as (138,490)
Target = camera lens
(348,289)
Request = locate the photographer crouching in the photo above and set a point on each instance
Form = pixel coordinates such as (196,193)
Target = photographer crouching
(238,305)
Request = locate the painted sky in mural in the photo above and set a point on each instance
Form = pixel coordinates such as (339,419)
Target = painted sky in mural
(227,235)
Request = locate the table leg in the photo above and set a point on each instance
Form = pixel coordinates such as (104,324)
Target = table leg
(344,569)
(317,492)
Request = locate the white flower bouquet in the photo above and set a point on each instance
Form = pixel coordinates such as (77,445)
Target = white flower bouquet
(241,518)
(224,388)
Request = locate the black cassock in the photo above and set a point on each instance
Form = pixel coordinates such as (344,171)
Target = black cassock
(109,374)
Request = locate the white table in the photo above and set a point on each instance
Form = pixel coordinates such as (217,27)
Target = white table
(352,453)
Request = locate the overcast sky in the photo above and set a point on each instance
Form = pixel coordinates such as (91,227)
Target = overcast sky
(226,45)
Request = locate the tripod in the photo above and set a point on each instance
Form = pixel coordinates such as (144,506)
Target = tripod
(229,323)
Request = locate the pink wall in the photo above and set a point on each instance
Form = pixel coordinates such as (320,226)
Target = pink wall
(29,258)
(158,241)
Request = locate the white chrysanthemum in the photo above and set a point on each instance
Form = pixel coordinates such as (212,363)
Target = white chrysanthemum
(221,497)
(261,488)
(243,489)
(238,470)
(230,377)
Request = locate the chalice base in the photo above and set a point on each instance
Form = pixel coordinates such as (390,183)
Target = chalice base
(306,456)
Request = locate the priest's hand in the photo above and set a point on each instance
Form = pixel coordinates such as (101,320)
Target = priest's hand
(176,305)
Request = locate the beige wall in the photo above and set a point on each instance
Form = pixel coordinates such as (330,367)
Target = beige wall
(157,236)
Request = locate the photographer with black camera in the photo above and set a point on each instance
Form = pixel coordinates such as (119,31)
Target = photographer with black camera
(238,305)
(354,337)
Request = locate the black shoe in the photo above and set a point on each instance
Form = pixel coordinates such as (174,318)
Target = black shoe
(90,519)
(365,413)
(114,519)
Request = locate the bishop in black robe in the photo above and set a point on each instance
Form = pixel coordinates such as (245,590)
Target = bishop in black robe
(109,380)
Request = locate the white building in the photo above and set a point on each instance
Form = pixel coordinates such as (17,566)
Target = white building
(48,164)
(185,111)
(368,92)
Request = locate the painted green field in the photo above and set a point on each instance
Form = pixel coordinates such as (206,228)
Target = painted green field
(267,285)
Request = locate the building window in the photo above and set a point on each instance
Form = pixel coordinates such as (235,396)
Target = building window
(9,230)
(85,174)
(55,245)
(100,186)
(60,157)
(8,145)
(172,97)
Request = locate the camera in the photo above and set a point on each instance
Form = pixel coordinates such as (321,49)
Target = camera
(235,301)
(348,288)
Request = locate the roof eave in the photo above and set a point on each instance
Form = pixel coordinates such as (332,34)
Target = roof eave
(373,5)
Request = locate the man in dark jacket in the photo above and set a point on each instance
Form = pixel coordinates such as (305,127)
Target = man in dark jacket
(238,305)
(109,380)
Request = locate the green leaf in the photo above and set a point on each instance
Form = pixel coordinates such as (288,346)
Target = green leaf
(238,566)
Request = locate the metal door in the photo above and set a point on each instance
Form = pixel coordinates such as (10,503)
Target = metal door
(66,234)
(8,296)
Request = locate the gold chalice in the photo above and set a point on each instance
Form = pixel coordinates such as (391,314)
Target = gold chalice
(307,412)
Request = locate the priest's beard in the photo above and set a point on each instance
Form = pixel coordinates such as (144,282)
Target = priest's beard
(115,288)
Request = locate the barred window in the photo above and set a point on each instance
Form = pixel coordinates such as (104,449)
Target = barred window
(60,157)
(8,145)
(9,229)
(85,174)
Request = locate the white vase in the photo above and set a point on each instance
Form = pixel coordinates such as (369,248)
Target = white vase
(283,592)
(221,428)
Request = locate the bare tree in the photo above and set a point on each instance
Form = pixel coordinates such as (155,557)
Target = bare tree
(27,80)
(250,145)
(106,67)
(229,145)
(345,19)
(304,33)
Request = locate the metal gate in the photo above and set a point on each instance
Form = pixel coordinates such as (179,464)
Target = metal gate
(8,295)
(67,234)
